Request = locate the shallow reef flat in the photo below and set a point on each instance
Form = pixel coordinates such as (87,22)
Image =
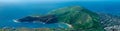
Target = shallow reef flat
(38,29)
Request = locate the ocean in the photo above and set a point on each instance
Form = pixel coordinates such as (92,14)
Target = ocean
(11,11)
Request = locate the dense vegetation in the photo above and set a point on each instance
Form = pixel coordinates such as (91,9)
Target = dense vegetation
(79,18)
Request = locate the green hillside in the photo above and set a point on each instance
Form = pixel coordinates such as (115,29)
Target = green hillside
(79,18)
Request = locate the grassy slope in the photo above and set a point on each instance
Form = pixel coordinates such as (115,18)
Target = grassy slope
(79,18)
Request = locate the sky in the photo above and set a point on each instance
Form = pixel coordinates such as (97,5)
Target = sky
(51,1)
(13,1)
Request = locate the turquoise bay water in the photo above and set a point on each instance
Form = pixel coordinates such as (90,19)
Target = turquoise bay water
(9,11)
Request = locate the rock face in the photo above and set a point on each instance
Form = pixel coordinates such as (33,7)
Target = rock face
(79,18)
(43,19)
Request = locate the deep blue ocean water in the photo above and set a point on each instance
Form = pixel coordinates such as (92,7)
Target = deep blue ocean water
(11,11)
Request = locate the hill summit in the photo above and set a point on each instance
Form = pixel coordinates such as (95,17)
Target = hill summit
(78,17)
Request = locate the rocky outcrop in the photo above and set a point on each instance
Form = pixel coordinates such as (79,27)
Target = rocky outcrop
(40,19)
